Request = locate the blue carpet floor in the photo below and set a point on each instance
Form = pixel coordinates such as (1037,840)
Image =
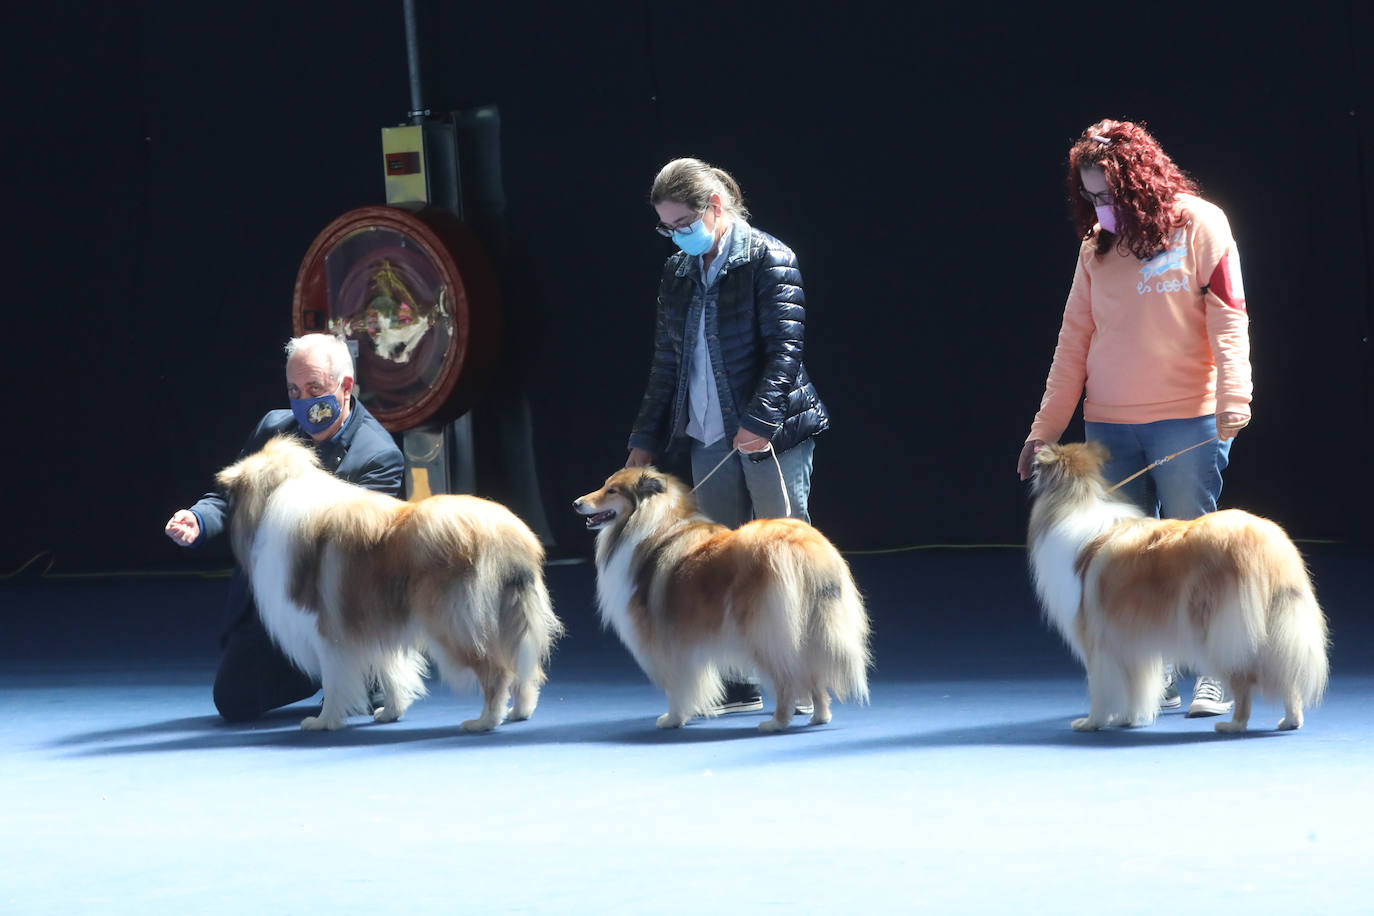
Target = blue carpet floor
(960,789)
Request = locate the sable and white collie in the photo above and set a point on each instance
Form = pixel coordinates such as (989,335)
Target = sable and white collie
(354,585)
(1226,593)
(692,599)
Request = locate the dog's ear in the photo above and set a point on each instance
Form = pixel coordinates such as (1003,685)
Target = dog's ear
(1046,467)
(648,485)
(1045,455)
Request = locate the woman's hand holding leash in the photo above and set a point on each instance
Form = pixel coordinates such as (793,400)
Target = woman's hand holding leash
(1023,463)
(747,443)
(1229,423)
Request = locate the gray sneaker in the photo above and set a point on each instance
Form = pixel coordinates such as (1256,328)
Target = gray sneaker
(1209,698)
(1170,698)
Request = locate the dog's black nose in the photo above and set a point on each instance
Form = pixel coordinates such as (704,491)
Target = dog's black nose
(577,504)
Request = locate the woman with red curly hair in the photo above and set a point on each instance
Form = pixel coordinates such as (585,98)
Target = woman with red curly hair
(1155,333)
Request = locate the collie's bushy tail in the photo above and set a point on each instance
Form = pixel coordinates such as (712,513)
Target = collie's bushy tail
(844,638)
(1298,642)
(529,627)
(834,637)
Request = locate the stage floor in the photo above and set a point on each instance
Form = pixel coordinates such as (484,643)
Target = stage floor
(960,789)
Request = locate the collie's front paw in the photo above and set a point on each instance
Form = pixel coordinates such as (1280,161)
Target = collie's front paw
(318,724)
(1230,728)
(1287,725)
(668,720)
(773,725)
(385,714)
(1085,724)
(820,718)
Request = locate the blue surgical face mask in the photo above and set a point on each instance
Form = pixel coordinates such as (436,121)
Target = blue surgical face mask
(696,239)
(315,415)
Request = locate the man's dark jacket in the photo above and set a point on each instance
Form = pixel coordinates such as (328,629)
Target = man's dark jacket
(754,336)
(363,453)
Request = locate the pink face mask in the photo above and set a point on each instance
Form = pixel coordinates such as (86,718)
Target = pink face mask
(1106,217)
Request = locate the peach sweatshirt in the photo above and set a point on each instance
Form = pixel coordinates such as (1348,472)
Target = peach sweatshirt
(1163,339)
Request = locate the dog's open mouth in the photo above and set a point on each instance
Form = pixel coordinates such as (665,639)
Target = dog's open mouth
(600,519)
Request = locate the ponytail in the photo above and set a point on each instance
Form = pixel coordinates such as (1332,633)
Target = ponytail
(692,182)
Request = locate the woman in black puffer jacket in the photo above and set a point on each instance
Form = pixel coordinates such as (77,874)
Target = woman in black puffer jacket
(727,369)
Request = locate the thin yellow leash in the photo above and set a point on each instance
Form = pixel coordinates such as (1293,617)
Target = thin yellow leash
(1156,464)
(727,457)
(782,483)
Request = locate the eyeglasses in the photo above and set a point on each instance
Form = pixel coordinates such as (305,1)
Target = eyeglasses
(313,389)
(1100,199)
(667,231)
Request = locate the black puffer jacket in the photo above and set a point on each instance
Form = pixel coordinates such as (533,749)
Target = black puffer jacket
(755,337)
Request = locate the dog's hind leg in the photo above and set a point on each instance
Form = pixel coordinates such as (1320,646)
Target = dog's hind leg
(1292,710)
(785,707)
(1241,689)
(782,717)
(496,681)
(528,676)
(820,702)
(525,698)
(528,615)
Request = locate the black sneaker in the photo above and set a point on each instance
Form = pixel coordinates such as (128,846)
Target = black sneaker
(376,699)
(741,696)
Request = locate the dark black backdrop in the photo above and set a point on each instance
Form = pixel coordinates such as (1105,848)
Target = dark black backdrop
(174,160)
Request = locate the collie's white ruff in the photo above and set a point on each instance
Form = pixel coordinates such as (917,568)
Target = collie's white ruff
(1227,593)
(692,600)
(356,586)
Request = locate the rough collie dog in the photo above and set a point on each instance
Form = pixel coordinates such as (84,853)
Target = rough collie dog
(353,585)
(1225,593)
(691,599)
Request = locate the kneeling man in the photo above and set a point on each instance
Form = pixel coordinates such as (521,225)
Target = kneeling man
(254,676)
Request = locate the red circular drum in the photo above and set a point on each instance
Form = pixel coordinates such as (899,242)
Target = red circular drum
(415,295)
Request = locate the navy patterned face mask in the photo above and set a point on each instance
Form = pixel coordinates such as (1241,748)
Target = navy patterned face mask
(315,415)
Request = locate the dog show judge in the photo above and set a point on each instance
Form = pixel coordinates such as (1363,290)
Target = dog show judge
(254,676)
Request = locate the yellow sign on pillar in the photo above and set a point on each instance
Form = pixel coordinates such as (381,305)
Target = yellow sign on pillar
(419,484)
(403,158)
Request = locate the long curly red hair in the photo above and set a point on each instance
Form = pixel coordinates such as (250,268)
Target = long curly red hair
(1143,180)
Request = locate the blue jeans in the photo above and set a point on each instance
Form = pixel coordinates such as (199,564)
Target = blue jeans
(744,489)
(1184,488)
